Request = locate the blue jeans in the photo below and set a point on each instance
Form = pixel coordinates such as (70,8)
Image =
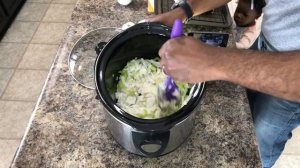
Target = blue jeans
(274,119)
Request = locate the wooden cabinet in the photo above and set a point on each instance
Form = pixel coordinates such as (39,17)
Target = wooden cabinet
(8,11)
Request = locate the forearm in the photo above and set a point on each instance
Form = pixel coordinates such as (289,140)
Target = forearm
(277,74)
(201,6)
(198,7)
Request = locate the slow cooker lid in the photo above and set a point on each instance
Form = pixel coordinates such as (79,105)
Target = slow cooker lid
(84,53)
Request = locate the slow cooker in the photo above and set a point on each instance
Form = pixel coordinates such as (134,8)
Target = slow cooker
(145,137)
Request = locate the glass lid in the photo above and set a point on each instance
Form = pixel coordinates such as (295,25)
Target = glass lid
(85,52)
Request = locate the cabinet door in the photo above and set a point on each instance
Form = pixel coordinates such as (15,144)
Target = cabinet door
(3,21)
(10,5)
(3,17)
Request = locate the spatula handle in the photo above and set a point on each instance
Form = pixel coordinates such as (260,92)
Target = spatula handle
(177,29)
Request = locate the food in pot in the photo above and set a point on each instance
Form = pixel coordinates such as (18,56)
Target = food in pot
(137,89)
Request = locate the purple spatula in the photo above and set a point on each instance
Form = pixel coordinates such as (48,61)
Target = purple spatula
(168,92)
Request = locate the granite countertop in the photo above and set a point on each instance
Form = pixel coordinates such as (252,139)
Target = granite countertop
(68,126)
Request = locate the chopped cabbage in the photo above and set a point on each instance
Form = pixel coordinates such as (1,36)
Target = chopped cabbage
(137,89)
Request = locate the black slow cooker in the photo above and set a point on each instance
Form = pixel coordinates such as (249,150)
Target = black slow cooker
(150,138)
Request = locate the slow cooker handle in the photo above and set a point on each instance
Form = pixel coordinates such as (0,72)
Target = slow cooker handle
(158,141)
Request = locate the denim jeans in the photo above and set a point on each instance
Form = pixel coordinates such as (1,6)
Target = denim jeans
(274,119)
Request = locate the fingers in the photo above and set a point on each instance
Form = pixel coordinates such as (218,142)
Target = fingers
(165,54)
(157,18)
(162,51)
(163,63)
(151,18)
(164,67)
(161,18)
(166,50)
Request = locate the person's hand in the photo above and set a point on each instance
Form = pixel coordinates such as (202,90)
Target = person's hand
(168,18)
(189,60)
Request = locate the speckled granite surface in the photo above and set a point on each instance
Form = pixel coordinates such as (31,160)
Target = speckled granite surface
(69,128)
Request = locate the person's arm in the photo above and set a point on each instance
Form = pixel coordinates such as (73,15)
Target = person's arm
(277,74)
(189,60)
(202,6)
(198,6)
